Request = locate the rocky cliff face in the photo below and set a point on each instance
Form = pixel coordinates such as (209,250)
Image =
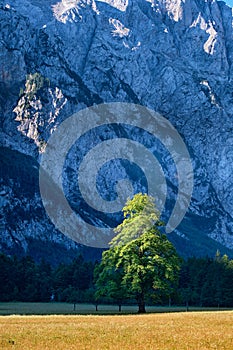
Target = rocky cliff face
(175,57)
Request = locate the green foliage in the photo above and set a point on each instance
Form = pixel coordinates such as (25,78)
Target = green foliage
(207,282)
(21,92)
(149,261)
(140,260)
(73,282)
(140,215)
(35,82)
(202,281)
(108,281)
(24,280)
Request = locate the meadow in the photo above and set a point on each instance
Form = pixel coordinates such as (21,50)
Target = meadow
(161,331)
(56,308)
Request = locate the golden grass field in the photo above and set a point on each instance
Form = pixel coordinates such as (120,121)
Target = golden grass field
(184,330)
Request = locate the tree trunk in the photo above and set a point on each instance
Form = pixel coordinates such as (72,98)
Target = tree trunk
(119,307)
(141,304)
(141,308)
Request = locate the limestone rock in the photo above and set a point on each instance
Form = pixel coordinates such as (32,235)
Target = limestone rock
(175,57)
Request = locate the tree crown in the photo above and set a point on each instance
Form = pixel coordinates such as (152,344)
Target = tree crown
(140,215)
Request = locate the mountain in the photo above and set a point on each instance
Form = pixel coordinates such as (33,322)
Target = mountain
(59,57)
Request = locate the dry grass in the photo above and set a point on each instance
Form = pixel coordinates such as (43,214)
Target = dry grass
(199,330)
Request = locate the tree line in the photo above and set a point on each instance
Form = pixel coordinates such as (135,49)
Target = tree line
(21,279)
(202,282)
(141,266)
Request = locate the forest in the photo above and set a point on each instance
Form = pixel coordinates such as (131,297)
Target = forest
(206,282)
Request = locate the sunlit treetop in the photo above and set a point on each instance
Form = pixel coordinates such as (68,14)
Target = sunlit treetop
(140,215)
